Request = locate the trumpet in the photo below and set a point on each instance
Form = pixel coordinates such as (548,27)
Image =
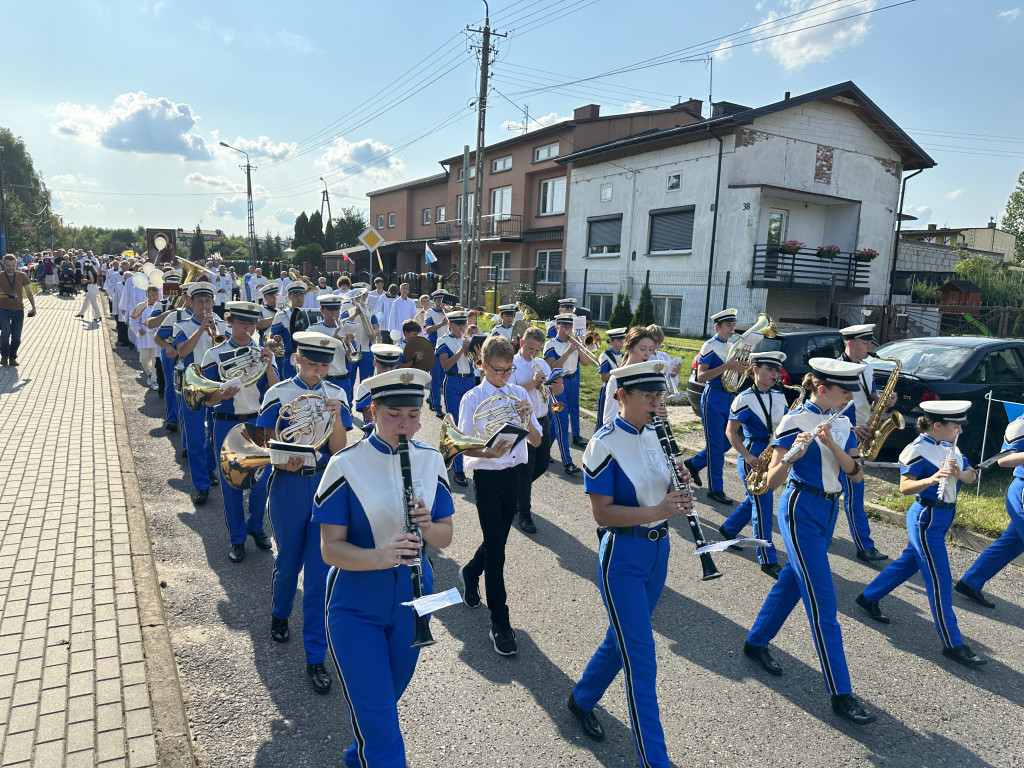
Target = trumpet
(215,338)
(545,391)
(358,297)
(351,350)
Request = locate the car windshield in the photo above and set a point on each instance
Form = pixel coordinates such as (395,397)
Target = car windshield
(928,361)
(769,345)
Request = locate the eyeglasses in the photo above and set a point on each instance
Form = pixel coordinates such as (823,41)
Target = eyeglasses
(502,371)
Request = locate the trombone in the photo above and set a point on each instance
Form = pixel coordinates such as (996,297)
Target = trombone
(589,344)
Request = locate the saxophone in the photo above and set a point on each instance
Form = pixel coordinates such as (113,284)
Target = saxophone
(740,350)
(757,479)
(879,428)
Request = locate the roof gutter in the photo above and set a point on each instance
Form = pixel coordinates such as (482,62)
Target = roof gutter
(714,229)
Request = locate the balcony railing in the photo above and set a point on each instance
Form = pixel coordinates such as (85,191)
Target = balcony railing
(493,227)
(805,271)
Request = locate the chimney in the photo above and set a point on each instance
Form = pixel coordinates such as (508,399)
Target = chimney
(589,112)
(786,97)
(992,224)
(932,227)
(726,108)
(693,106)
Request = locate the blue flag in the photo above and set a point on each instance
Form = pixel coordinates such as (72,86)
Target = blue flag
(429,254)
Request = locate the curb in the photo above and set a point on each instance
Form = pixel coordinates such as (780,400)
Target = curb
(173,740)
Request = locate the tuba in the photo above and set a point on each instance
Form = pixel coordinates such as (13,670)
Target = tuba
(757,479)
(358,297)
(740,350)
(879,428)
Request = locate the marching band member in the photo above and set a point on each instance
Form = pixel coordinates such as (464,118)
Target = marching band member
(932,470)
(566,306)
(753,416)
(284,322)
(563,352)
(385,358)
(609,360)
(330,308)
(858,339)
(631,496)
(672,369)
(366,541)
(712,362)
(825,447)
(507,313)
(637,347)
(164,338)
(268,293)
(434,320)
(291,490)
(235,404)
(375,295)
(496,486)
(143,335)
(530,371)
(452,350)
(191,337)
(1003,550)
(364,341)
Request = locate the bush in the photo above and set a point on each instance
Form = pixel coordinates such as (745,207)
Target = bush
(622,315)
(644,314)
(311,252)
(924,293)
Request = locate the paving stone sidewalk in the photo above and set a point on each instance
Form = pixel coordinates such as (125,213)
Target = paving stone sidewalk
(74,687)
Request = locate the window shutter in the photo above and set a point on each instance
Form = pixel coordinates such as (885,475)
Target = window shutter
(671,230)
(605,232)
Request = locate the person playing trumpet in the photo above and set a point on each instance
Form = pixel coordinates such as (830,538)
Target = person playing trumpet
(291,490)
(284,321)
(563,351)
(341,366)
(237,402)
(434,321)
(753,416)
(457,364)
(163,337)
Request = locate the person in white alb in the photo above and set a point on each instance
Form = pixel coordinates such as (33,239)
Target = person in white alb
(143,336)
(258,281)
(222,285)
(403,308)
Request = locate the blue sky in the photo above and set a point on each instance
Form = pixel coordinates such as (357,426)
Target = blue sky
(123,103)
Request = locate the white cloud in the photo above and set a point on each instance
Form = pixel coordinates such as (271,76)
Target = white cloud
(542,121)
(284,216)
(723,51)
(77,179)
(68,202)
(135,122)
(231,201)
(295,42)
(368,157)
(803,45)
(217,183)
(1010,15)
(636,106)
(955,194)
(264,146)
(208,26)
(923,214)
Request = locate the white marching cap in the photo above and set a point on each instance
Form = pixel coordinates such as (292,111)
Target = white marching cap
(947,410)
(840,372)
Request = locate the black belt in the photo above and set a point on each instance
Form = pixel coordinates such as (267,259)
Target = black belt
(459,375)
(651,534)
(936,503)
(815,491)
(337,378)
(234,416)
(311,471)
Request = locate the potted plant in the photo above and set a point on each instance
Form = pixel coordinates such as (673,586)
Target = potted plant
(866,255)
(790,247)
(828,252)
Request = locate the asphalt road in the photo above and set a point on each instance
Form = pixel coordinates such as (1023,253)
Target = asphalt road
(249,701)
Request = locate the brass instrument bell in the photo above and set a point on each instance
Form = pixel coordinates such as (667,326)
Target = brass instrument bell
(453,442)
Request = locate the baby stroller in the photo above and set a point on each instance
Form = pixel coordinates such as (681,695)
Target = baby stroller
(66,285)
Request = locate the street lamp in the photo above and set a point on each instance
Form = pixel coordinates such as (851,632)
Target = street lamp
(248,191)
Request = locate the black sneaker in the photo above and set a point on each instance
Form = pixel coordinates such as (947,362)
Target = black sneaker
(694,473)
(279,630)
(571,469)
(579,442)
(460,479)
(470,592)
(726,537)
(972,594)
(214,480)
(849,707)
(262,540)
(526,522)
(962,654)
(871,555)
(772,569)
(201,497)
(720,497)
(237,553)
(319,677)
(872,608)
(504,639)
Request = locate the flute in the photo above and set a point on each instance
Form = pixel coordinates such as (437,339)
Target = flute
(421,633)
(799,445)
(942,483)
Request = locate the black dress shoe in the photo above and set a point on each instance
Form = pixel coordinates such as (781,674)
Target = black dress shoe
(237,553)
(214,480)
(571,469)
(848,707)
(762,657)
(871,555)
(974,595)
(3,361)
(171,426)
(279,629)
(201,497)
(262,540)
(961,654)
(872,608)
(772,569)
(460,479)
(439,414)
(726,537)
(319,677)
(579,442)
(184,453)
(526,522)
(694,474)
(588,720)
(720,497)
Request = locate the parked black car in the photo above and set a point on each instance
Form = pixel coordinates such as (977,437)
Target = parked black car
(954,368)
(799,342)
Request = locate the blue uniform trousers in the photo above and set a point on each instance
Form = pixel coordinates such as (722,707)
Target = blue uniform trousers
(1000,552)
(170,397)
(926,553)
(600,409)
(364,367)
(194,428)
(571,393)
(298,549)
(346,384)
(285,367)
(631,574)
(370,634)
(560,423)
(714,413)
(240,524)
(756,510)
(454,388)
(806,524)
(853,503)
(436,383)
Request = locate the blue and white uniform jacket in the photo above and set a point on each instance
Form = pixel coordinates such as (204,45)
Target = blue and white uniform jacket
(862,402)
(923,458)
(449,345)
(248,398)
(184,329)
(713,353)
(752,407)
(286,391)
(555,348)
(817,467)
(505,331)
(1013,440)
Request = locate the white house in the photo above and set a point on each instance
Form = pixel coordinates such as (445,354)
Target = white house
(701,210)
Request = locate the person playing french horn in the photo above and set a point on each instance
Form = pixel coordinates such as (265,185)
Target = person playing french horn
(291,489)
(367,537)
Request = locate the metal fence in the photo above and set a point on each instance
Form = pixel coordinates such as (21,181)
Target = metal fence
(904,321)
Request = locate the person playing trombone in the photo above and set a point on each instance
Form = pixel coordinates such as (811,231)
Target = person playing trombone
(566,351)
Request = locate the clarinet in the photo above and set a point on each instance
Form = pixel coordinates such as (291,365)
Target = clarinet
(421,633)
(671,450)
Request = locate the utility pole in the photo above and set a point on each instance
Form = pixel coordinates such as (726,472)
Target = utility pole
(3,208)
(249,168)
(464,216)
(325,198)
(481,122)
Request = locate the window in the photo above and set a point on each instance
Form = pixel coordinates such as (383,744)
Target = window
(606,193)
(671,230)
(552,196)
(501,164)
(604,234)
(501,202)
(380,221)
(391,219)
(440,213)
(426,215)
(946,240)
(546,152)
(822,346)
(467,214)
(549,266)
(462,173)
(500,262)
(601,307)
(673,182)
(667,311)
